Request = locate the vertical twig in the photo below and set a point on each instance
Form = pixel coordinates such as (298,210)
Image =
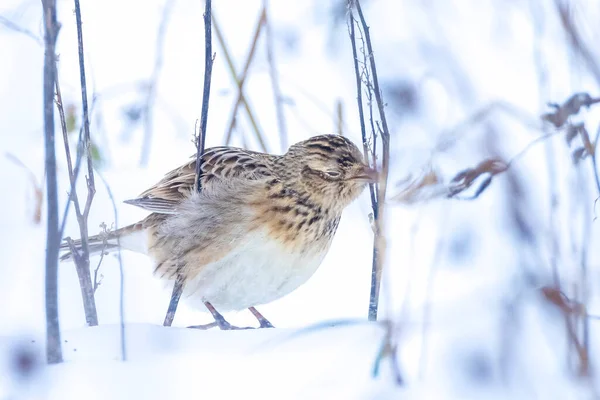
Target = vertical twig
(374,295)
(53,343)
(121,274)
(382,184)
(283,139)
(200,144)
(208,64)
(83,266)
(377,191)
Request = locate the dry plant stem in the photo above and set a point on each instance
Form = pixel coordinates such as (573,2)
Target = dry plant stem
(83,267)
(200,144)
(53,342)
(231,68)
(242,80)
(283,136)
(153,83)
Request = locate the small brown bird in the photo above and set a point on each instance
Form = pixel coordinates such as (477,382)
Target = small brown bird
(258,229)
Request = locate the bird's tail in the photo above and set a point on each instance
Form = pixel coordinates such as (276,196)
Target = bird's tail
(105,242)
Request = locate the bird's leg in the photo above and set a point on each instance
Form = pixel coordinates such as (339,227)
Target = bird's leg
(264,323)
(219,319)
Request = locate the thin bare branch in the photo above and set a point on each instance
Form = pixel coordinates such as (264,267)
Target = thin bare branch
(208,64)
(53,342)
(83,267)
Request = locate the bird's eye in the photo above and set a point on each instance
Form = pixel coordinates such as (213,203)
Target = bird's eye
(332,174)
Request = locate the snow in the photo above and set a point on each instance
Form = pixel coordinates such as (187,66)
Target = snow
(462,279)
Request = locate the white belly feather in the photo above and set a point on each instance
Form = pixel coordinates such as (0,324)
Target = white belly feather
(256,272)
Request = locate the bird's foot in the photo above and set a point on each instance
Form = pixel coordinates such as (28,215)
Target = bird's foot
(220,320)
(264,323)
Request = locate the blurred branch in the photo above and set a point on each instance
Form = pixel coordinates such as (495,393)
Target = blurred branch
(452,136)
(200,145)
(15,27)
(233,74)
(570,308)
(570,107)
(283,136)
(38,188)
(240,84)
(576,40)
(153,82)
(430,185)
(339,117)
(53,342)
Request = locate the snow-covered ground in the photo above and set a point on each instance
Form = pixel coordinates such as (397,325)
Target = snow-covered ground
(462,285)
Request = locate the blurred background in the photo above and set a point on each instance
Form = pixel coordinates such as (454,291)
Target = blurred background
(491,291)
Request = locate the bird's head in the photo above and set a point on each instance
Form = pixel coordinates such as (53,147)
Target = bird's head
(329,168)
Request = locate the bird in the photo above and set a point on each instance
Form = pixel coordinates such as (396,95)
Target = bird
(258,228)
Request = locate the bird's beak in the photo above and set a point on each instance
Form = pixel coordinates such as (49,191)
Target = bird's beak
(367,174)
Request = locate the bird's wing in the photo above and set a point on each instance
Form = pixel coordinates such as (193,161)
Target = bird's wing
(221,167)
